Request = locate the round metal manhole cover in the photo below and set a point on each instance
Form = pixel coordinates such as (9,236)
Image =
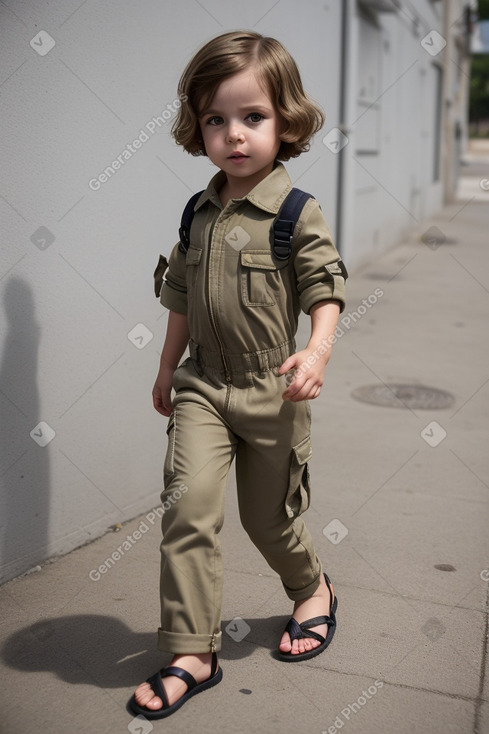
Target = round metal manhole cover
(404,396)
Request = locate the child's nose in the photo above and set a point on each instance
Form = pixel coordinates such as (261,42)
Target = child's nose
(235,134)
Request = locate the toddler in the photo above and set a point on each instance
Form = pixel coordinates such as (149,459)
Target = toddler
(235,305)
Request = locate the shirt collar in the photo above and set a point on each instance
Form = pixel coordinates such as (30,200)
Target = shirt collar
(267,195)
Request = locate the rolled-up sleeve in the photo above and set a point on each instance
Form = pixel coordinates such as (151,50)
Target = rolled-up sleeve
(320,273)
(174,289)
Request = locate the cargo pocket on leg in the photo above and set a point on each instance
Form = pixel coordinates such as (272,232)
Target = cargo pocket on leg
(299,491)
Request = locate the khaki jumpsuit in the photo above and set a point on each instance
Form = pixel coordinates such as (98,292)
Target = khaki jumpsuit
(242,306)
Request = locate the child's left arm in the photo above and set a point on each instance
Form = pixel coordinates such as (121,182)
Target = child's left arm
(309,363)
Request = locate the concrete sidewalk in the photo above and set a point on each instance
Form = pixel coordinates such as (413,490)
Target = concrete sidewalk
(399,513)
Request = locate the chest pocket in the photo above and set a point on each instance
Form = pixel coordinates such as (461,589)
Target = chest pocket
(192,260)
(259,278)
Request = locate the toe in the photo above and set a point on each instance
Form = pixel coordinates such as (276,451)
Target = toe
(304,644)
(154,703)
(145,696)
(285,645)
(296,647)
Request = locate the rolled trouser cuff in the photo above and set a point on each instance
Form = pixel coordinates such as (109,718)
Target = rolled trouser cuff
(306,591)
(188,644)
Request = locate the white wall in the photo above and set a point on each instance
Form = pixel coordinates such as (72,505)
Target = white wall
(68,307)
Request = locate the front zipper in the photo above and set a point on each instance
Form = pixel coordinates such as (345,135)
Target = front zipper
(211,312)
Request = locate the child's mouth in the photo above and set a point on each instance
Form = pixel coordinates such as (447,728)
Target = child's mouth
(238,157)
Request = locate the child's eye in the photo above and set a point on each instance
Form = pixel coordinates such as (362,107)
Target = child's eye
(216,120)
(255,117)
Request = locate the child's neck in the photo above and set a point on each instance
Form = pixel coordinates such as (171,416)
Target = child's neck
(239,188)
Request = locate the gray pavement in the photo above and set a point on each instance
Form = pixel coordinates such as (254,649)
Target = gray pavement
(399,513)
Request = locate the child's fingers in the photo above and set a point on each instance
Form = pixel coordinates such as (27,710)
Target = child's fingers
(159,408)
(287,365)
(161,403)
(167,407)
(164,411)
(302,390)
(294,388)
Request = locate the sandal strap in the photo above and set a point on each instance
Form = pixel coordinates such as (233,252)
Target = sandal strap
(179,673)
(157,687)
(296,631)
(302,631)
(315,621)
(328,584)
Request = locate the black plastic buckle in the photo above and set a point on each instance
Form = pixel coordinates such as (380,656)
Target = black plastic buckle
(183,234)
(282,238)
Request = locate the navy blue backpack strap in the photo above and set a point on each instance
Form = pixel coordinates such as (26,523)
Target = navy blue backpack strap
(187,216)
(285,221)
(282,228)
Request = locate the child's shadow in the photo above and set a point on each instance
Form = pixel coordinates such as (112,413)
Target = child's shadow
(102,650)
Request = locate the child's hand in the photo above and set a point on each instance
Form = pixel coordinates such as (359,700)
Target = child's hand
(309,364)
(309,375)
(162,390)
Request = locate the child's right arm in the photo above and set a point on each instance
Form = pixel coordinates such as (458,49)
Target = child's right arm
(176,340)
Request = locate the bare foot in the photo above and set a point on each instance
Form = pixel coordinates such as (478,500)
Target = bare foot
(197,665)
(315,606)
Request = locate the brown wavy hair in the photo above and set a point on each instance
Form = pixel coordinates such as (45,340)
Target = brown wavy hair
(228,54)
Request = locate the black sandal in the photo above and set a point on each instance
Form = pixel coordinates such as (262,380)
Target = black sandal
(301,631)
(157,687)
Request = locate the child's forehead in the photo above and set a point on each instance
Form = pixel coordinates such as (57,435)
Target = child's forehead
(245,87)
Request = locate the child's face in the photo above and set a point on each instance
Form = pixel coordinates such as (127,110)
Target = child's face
(241,130)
